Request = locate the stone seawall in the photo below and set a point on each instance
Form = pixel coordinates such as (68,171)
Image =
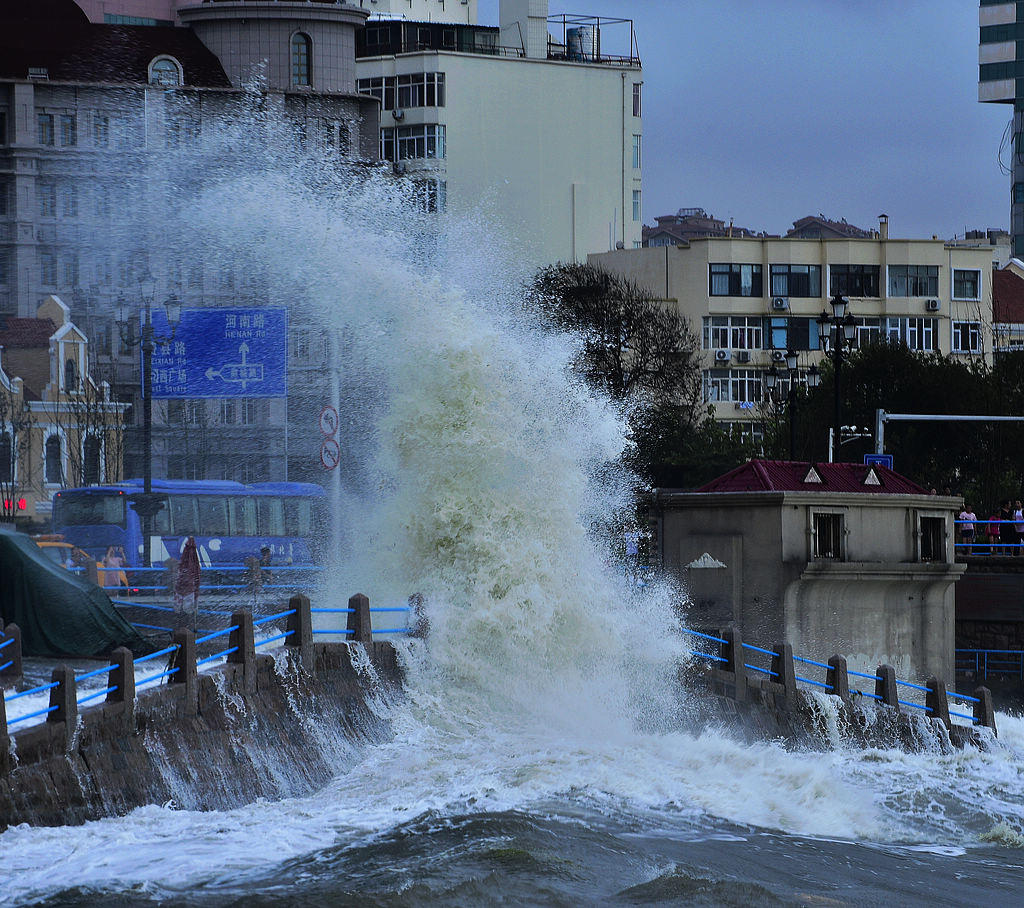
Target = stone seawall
(265,729)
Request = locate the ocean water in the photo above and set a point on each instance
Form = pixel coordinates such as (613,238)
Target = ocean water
(543,752)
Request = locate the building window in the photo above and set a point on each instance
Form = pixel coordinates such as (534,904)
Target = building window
(70,198)
(869,331)
(796,280)
(419,90)
(735,280)
(47,269)
(854,280)
(431,195)
(933,539)
(52,467)
(5,267)
(101,338)
(248,408)
(3,127)
(46,197)
(637,95)
(70,270)
(165,71)
(736,385)
(967,337)
(828,536)
(100,130)
(68,130)
(636,151)
(637,206)
(412,142)
(913,280)
(91,461)
(4,197)
(302,53)
(193,412)
(917,333)
(966,284)
(44,127)
(6,458)
(227,412)
(70,376)
(737,332)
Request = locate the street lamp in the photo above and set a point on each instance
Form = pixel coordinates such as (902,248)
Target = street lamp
(147,505)
(771,381)
(836,332)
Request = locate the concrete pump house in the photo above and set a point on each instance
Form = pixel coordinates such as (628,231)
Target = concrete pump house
(836,558)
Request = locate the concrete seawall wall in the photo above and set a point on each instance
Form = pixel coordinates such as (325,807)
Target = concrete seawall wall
(270,729)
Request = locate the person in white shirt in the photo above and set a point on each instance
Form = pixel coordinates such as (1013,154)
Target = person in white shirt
(966,523)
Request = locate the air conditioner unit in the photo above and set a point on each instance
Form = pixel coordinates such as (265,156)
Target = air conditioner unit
(743,356)
(778,356)
(931,305)
(780,302)
(721,356)
(398,113)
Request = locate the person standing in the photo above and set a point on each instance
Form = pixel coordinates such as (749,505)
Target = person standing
(1007,534)
(1018,527)
(966,522)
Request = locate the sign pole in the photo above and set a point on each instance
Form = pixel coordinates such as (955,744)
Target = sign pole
(335,485)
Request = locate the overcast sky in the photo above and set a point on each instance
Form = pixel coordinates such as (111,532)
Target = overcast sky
(768,111)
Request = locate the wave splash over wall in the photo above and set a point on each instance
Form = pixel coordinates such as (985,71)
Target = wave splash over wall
(478,476)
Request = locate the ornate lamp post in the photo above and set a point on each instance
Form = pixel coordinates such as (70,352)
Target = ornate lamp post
(146,504)
(771,381)
(836,332)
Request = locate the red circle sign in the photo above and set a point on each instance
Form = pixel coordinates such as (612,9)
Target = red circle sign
(330,454)
(328,422)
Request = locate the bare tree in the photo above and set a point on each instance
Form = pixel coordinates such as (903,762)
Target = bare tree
(16,424)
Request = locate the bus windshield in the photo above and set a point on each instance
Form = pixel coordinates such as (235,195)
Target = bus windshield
(90,510)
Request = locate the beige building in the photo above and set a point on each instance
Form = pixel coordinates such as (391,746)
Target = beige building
(58,427)
(534,124)
(753,298)
(834,558)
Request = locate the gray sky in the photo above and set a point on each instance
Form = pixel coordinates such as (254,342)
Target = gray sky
(769,111)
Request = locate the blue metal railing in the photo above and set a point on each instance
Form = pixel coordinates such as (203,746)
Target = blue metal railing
(1003,663)
(811,681)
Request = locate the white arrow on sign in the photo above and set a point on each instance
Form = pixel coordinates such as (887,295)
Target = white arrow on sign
(244,373)
(330,454)
(328,421)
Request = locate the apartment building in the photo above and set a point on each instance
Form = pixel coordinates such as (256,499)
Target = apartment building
(1001,81)
(90,96)
(753,298)
(534,124)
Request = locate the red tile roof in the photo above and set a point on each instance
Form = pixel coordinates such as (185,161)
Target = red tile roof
(1007,298)
(789,476)
(26,332)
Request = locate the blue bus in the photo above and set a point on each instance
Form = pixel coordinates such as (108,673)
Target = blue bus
(230,520)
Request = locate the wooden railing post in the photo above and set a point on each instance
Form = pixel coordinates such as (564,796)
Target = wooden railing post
(300,623)
(5,740)
(184,660)
(359,620)
(838,677)
(984,711)
(65,697)
(244,638)
(785,671)
(732,653)
(937,700)
(885,686)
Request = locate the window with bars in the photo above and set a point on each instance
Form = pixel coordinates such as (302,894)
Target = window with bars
(828,536)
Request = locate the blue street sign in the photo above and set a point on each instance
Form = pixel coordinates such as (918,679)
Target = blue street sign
(884,460)
(222,353)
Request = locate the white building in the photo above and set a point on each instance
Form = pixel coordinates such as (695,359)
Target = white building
(535,123)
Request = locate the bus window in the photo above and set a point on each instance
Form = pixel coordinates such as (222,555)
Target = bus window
(213,515)
(90,510)
(183,515)
(243,516)
(298,517)
(162,520)
(271,516)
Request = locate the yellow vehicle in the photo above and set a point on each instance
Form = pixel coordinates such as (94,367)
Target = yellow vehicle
(69,556)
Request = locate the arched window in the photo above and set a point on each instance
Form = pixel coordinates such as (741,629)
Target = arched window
(70,376)
(6,458)
(53,467)
(91,461)
(165,71)
(302,58)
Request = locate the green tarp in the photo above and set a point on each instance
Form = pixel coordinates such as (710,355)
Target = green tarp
(59,613)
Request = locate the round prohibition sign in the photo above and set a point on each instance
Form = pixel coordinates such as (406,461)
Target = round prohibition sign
(330,454)
(328,422)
